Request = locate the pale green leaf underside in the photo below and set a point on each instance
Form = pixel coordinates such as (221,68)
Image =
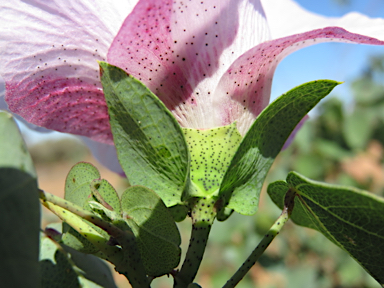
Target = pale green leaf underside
(351,218)
(78,191)
(108,195)
(77,183)
(13,151)
(150,144)
(245,176)
(156,232)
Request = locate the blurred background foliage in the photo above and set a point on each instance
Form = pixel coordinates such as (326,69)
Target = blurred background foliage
(340,145)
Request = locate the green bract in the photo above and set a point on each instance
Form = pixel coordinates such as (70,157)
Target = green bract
(211,152)
(245,176)
(150,143)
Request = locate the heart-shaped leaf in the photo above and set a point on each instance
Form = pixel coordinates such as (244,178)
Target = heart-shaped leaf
(245,176)
(77,183)
(156,233)
(19,209)
(150,143)
(78,191)
(351,218)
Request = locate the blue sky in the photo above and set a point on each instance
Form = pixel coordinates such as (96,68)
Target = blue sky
(336,61)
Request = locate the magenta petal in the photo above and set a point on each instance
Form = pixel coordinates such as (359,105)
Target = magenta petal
(244,90)
(49,52)
(67,105)
(181,49)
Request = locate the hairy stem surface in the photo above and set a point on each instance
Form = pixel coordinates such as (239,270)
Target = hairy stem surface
(264,243)
(203,215)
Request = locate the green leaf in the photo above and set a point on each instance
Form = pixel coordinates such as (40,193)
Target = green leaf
(178,212)
(14,152)
(351,218)
(245,176)
(156,233)
(19,209)
(93,272)
(78,181)
(56,270)
(63,266)
(150,143)
(78,191)
(106,195)
(103,212)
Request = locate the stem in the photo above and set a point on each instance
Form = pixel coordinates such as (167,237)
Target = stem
(46,198)
(203,215)
(264,243)
(129,263)
(110,253)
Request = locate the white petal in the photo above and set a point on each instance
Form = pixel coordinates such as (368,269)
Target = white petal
(49,52)
(285,17)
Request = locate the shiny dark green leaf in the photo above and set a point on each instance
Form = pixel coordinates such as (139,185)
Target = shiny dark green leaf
(351,218)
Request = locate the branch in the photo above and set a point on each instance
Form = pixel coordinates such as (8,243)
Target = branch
(264,243)
(203,215)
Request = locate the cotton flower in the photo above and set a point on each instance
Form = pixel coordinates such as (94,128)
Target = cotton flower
(210,62)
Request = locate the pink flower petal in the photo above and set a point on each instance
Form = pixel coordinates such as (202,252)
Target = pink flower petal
(49,52)
(298,20)
(245,88)
(181,49)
